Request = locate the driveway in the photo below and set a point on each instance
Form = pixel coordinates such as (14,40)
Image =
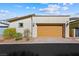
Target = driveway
(57,40)
(42,40)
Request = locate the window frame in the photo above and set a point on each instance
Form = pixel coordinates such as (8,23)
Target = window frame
(20,25)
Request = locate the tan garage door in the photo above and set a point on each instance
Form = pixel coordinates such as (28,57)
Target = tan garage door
(50,31)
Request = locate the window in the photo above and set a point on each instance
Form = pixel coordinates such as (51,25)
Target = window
(20,24)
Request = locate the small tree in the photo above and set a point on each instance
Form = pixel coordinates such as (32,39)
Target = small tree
(27,34)
(9,33)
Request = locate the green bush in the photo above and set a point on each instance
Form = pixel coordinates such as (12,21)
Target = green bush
(18,36)
(9,33)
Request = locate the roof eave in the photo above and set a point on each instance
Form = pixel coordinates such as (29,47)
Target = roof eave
(19,18)
(28,16)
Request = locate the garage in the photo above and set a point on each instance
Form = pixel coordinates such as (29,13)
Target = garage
(50,30)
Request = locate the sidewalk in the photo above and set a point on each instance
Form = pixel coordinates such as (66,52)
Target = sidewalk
(41,40)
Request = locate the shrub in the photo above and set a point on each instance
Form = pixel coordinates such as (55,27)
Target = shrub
(18,36)
(9,33)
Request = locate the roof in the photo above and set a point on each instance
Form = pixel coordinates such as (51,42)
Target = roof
(28,16)
(74,19)
(52,15)
(19,18)
(4,23)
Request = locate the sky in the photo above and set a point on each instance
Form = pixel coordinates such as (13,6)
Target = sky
(11,10)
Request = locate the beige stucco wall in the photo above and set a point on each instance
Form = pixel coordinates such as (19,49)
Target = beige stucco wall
(26,25)
(35,20)
(43,19)
(53,20)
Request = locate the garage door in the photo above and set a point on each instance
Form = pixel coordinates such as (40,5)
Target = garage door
(50,30)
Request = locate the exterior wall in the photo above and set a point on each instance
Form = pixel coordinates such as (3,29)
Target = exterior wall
(49,20)
(67,31)
(26,25)
(31,24)
(42,19)
(74,33)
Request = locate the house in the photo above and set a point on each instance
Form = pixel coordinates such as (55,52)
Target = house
(42,25)
(74,27)
(3,26)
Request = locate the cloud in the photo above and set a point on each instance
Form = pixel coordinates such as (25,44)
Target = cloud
(27,7)
(4,11)
(19,6)
(1,15)
(54,9)
(65,8)
(34,7)
(5,14)
(71,3)
(75,14)
(65,4)
(50,9)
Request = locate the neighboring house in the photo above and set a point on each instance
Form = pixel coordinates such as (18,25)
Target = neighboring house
(74,27)
(2,27)
(42,25)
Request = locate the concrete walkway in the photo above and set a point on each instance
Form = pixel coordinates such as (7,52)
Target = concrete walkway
(41,40)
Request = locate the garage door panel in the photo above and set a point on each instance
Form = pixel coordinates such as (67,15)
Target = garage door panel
(50,31)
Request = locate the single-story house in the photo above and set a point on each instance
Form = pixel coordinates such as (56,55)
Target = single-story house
(2,27)
(42,25)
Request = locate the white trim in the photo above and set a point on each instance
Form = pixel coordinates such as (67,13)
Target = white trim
(74,32)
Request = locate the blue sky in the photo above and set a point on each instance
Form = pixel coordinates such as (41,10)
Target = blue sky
(10,10)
